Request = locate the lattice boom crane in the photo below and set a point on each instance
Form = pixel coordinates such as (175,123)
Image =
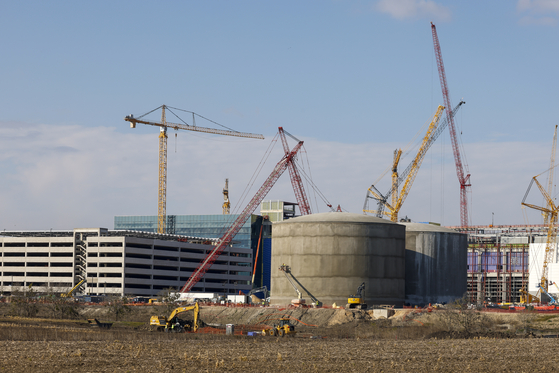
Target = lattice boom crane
(463,178)
(228,236)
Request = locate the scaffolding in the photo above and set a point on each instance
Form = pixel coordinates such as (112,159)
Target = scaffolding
(498,261)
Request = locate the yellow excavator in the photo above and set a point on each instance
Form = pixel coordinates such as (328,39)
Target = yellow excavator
(356,301)
(173,324)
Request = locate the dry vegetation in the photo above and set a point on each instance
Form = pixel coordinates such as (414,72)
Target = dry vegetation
(347,341)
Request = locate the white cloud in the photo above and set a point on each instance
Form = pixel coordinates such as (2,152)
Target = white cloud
(65,177)
(405,9)
(538,12)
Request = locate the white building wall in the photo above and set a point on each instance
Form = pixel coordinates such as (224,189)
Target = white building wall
(537,254)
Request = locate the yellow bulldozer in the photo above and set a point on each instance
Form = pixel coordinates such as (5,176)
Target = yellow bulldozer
(284,328)
(173,324)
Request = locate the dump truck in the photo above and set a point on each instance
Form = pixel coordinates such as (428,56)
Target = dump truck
(172,323)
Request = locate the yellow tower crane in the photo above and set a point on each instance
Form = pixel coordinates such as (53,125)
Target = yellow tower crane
(163,125)
(551,212)
(226,203)
(398,200)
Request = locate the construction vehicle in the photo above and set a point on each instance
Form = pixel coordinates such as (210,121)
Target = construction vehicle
(101,325)
(173,324)
(299,302)
(71,292)
(356,301)
(262,289)
(163,125)
(284,328)
(287,161)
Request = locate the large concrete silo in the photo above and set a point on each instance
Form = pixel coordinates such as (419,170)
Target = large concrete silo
(331,254)
(436,264)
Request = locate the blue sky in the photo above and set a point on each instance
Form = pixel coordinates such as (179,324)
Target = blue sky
(354,79)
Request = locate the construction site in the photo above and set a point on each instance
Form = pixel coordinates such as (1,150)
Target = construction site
(258,290)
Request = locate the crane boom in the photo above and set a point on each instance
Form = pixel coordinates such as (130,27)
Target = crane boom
(163,126)
(228,236)
(551,211)
(417,163)
(462,178)
(382,200)
(296,182)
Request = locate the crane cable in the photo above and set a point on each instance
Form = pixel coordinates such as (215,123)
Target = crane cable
(252,180)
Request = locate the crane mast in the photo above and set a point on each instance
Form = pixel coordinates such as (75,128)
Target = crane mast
(462,178)
(551,169)
(163,125)
(226,204)
(228,236)
(551,211)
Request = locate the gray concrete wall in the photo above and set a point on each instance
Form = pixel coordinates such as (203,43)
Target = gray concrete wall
(436,264)
(331,254)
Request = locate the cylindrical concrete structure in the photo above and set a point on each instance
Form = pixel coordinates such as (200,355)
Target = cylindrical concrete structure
(331,254)
(436,264)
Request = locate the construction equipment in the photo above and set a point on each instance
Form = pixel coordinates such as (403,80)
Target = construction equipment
(230,233)
(463,178)
(173,324)
(226,204)
(71,292)
(163,125)
(416,163)
(262,289)
(284,328)
(356,301)
(397,179)
(299,301)
(101,325)
(552,211)
(551,172)
(296,182)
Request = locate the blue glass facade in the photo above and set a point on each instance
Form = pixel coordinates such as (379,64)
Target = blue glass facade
(204,226)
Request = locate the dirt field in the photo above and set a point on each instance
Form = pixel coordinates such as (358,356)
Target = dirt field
(327,341)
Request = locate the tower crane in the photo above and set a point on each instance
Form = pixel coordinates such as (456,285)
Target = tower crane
(463,178)
(551,168)
(230,233)
(394,208)
(551,210)
(163,125)
(226,204)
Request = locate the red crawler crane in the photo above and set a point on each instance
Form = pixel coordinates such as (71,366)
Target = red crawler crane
(296,181)
(463,179)
(228,236)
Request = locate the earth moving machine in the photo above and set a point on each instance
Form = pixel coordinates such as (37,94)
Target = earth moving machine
(262,289)
(356,301)
(101,325)
(173,324)
(282,329)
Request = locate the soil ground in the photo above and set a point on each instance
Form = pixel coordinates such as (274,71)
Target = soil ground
(327,340)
